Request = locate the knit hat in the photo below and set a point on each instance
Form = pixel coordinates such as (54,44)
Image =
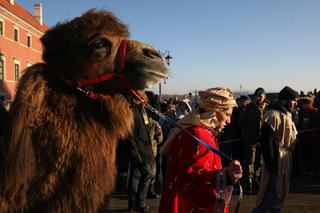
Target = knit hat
(288,93)
(306,100)
(259,91)
(244,97)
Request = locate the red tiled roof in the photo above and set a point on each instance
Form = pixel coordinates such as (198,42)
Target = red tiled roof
(23,14)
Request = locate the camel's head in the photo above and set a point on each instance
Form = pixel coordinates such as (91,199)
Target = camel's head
(89,46)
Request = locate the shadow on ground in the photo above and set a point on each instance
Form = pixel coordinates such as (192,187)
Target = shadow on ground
(304,197)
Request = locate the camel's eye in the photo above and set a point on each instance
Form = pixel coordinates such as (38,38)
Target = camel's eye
(100,48)
(100,44)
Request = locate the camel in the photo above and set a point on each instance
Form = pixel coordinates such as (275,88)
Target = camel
(58,152)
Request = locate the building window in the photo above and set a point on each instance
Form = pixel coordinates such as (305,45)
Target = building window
(3,98)
(16,72)
(15,35)
(1,27)
(1,69)
(29,40)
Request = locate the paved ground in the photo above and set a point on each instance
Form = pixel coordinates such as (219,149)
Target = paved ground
(304,198)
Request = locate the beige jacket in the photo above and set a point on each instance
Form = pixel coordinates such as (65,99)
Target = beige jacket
(284,137)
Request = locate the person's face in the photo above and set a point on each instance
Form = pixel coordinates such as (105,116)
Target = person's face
(223,119)
(260,98)
(245,102)
(291,105)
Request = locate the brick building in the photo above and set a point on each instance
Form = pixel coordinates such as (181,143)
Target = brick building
(20,45)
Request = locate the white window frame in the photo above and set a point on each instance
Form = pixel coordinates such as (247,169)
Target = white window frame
(2,21)
(15,28)
(3,58)
(16,62)
(29,36)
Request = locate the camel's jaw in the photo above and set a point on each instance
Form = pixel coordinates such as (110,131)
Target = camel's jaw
(154,76)
(144,77)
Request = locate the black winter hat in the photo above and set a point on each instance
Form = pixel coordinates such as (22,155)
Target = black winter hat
(288,93)
(244,97)
(259,91)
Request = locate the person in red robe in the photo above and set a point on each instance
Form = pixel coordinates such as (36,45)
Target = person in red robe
(195,180)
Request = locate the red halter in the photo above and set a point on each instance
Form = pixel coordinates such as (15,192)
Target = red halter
(107,77)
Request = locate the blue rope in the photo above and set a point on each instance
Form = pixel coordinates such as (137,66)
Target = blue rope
(208,146)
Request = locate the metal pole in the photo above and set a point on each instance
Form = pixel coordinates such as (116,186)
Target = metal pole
(160,97)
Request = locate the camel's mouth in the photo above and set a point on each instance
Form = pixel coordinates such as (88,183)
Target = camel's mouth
(146,70)
(153,77)
(146,77)
(158,74)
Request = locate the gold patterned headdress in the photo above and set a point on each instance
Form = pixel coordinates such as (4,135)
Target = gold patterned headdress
(216,99)
(213,100)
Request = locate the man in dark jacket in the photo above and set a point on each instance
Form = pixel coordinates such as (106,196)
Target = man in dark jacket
(141,162)
(250,121)
(233,132)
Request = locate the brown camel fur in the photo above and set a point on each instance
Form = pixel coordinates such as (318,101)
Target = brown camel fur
(58,153)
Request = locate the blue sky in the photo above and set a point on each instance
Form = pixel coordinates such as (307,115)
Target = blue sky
(252,43)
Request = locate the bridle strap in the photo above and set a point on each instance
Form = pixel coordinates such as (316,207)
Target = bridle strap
(121,72)
(105,77)
(123,48)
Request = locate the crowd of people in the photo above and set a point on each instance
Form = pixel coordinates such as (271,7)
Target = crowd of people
(268,140)
(260,135)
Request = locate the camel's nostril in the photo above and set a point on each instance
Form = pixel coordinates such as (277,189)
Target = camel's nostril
(152,53)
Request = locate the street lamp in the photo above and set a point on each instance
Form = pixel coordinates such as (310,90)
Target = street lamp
(168,59)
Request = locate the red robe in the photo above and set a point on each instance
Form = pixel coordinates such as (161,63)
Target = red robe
(195,180)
